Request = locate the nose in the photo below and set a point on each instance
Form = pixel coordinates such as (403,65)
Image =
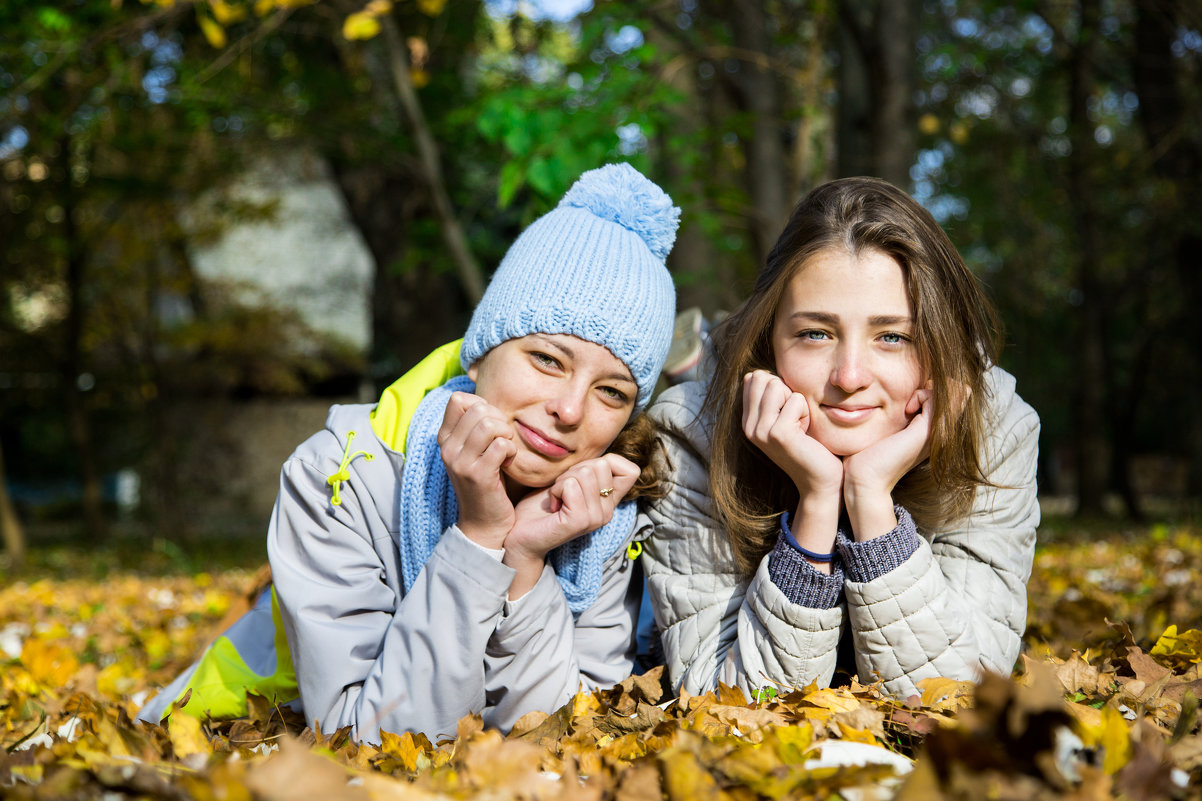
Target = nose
(567,404)
(850,371)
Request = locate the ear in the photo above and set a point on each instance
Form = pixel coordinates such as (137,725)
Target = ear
(473,370)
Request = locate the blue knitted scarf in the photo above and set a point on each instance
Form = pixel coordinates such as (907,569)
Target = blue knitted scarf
(428,506)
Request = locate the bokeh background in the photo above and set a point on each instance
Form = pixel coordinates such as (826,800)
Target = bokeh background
(218,217)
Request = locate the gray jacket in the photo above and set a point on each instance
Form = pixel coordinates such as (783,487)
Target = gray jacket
(918,603)
(373,657)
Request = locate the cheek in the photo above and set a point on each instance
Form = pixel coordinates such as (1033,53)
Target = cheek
(802,374)
(606,426)
(905,382)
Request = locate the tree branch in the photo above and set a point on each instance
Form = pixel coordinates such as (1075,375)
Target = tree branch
(470,276)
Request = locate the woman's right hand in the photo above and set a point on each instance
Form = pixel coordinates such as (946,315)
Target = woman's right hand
(476,442)
(776,420)
(581,500)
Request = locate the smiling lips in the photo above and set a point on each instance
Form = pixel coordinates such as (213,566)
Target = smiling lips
(847,415)
(541,443)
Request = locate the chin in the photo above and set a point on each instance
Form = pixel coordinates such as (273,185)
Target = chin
(844,446)
(526,481)
(530,478)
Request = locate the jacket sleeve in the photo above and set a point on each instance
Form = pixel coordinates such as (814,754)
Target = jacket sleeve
(958,604)
(364,655)
(539,656)
(717,625)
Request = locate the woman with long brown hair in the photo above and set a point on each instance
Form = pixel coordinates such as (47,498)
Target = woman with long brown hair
(856,469)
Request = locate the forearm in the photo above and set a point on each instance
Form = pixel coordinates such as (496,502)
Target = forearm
(869,510)
(719,627)
(917,621)
(813,526)
(540,655)
(528,570)
(416,663)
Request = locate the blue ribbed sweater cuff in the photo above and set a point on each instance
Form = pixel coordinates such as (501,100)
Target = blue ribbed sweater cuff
(865,561)
(799,581)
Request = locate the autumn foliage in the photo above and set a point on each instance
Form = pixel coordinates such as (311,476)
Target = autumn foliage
(1103,704)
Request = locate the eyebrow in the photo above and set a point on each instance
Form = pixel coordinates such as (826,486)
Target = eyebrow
(571,354)
(833,319)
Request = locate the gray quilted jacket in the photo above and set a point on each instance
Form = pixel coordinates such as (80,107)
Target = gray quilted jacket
(918,603)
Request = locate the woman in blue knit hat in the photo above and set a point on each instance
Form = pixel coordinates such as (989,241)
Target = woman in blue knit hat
(461,545)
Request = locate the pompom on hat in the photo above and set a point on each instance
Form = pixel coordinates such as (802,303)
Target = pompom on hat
(592,267)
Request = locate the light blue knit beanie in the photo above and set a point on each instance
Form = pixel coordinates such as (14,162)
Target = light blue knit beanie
(593,267)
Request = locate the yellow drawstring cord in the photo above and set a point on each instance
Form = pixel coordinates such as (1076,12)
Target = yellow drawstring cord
(634,550)
(344,472)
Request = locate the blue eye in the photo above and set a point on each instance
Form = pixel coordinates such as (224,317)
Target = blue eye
(813,335)
(894,338)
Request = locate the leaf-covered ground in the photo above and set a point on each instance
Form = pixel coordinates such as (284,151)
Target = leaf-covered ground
(1103,704)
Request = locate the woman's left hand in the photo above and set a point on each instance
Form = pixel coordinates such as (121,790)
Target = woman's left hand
(870,475)
(572,506)
(881,465)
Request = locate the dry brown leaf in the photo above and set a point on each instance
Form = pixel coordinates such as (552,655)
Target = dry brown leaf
(748,721)
(686,779)
(640,782)
(528,723)
(1077,675)
(945,695)
(187,737)
(865,719)
(298,774)
(1187,752)
(643,717)
(507,767)
(731,696)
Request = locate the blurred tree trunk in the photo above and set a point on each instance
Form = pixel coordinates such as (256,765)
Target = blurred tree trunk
(1090,418)
(876,74)
(1164,118)
(810,166)
(748,90)
(767,170)
(10,524)
(1125,414)
(79,424)
(693,252)
(414,310)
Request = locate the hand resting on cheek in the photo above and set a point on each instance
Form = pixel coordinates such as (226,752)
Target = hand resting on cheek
(777,421)
(476,441)
(569,508)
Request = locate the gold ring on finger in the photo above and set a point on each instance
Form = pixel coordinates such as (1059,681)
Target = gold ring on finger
(605,493)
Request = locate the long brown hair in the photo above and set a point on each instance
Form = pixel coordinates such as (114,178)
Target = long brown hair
(956,333)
